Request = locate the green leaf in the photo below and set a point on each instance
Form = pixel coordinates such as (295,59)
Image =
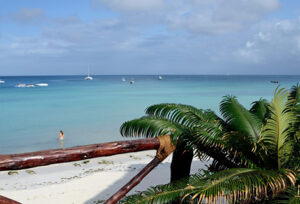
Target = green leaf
(240,119)
(260,109)
(179,113)
(151,127)
(276,132)
(233,185)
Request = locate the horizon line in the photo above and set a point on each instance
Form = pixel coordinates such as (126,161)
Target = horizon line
(36,75)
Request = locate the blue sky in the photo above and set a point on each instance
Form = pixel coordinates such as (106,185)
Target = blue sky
(149,37)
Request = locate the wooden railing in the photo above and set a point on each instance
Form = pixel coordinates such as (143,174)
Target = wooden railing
(41,158)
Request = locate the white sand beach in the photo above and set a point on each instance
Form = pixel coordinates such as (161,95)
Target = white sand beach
(88,181)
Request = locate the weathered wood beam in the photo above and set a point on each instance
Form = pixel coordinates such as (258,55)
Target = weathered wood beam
(133,182)
(42,158)
(4,200)
(165,149)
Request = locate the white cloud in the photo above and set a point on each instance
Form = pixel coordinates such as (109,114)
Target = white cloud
(284,25)
(176,37)
(249,44)
(28,15)
(195,16)
(263,37)
(277,44)
(132,5)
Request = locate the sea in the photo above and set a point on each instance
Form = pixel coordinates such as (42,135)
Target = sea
(92,112)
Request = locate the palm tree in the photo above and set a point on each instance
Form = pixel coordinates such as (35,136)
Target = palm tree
(256,152)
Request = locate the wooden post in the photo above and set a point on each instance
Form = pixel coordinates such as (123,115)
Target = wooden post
(164,150)
(42,158)
(133,182)
(4,200)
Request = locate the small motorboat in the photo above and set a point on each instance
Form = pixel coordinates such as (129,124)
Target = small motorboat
(274,82)
(30,86)
(42,84)
(2,81)
(132,82)
(123,79)
(159,77)
(21,85)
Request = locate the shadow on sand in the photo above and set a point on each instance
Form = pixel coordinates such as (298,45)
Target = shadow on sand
(159,175)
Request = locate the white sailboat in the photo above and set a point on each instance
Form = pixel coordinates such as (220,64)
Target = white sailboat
(123,79)
(88,76)
(159,77)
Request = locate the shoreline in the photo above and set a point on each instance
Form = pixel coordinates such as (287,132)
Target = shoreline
(86,181)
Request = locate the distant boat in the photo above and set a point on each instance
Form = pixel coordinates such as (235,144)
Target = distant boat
(159,77)
(30,86)
(42,84)
(123,79)
(88,76)
(132,82)
(2,81)
(21,85)
(274,82)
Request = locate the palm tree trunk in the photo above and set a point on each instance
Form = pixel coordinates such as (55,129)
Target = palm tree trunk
(181,163)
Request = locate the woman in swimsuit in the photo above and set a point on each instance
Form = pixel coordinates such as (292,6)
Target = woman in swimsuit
(61,136)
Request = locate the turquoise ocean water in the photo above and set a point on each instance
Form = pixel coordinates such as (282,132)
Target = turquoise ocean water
(92,111)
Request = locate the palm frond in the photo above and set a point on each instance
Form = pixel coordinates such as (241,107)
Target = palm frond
(276,132)
(151,127)
(240,119)
(232,185)
(294,99)
(295,93)
(179,113)
(289,196)
(260,109)
(244,151)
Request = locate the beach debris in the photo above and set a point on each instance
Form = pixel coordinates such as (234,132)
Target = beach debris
(86,161)
(76,164)
(105,162)
(99,201)
(90,171)
(30,172)
(134,157)
(12,173)
(151,156)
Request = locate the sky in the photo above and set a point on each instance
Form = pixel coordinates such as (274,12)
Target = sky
(54,37)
